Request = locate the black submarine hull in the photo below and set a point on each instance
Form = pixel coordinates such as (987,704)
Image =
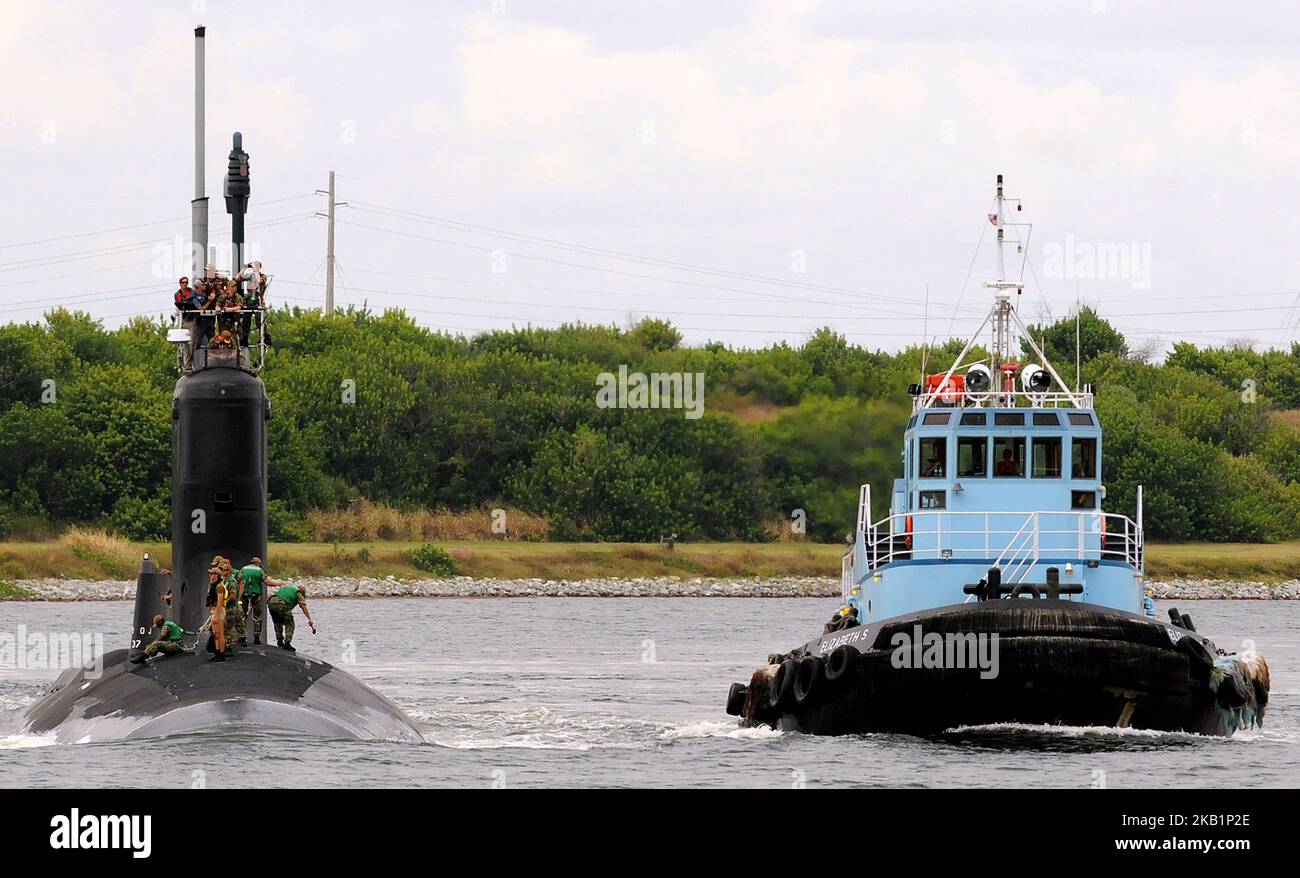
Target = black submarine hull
(1061,663)
(258,689)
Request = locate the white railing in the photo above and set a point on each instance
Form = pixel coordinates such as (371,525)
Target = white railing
(1015,540)
(1018,558)
(990,399)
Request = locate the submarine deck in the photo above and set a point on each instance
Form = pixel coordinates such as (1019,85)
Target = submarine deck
(261,688)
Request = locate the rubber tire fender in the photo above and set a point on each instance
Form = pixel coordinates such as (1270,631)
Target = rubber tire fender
(1261,694)
(779,694)
(1198,654)
(736,699)
(809,678)
(1233,691)
(841,665)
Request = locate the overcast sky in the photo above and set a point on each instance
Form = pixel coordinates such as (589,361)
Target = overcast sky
(760,168)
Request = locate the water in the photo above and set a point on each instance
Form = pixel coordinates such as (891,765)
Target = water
(628,692)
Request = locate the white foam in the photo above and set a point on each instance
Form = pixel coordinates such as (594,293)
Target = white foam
(719,729)
(22,742)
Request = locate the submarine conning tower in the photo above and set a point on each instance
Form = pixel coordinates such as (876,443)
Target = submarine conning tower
(219,416)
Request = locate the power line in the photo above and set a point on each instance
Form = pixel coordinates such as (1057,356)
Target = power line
(174,219)
(107,231)
(650,277)
(116,249)
(90,297)
(398,213)
(618,310)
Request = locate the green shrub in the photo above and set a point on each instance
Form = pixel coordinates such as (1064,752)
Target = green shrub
(144,520)
(431,559)
(282,525)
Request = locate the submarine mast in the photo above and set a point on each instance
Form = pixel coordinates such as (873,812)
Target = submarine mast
(199,206)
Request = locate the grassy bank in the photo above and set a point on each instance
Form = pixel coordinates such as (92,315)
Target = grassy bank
(1269,562)
(88,555)
(82,554)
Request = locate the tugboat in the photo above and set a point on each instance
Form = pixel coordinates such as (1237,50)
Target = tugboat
(219,507)
(997,590)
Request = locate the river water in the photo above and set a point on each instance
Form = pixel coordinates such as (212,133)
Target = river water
(547,692)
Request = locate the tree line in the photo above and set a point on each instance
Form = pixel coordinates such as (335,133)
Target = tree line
(510,418)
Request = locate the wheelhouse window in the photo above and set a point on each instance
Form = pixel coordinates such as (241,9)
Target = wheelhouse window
(1046,419)
(1080,419)
(933,457)
(937,419)
(974,419)
(1047,457)
(1009,456)
(1083,458)
(972,457)
(1008,419)
(934,500)
(1083,499)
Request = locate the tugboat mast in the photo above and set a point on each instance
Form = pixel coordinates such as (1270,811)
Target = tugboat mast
(1001,317)
(1007,328)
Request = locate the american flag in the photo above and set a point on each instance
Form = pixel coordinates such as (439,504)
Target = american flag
(993,218)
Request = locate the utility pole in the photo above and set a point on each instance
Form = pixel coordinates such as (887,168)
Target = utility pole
(329,254)
(329,244)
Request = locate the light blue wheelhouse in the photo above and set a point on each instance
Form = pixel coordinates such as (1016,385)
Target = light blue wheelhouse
(996,476)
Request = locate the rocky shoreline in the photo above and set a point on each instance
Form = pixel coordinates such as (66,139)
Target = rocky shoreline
(467,587)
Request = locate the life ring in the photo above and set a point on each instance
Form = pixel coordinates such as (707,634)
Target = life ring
(841,665)
(809,677)
(779,695)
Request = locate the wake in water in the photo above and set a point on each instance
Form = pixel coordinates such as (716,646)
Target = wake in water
(541,728)
(1051,738)
(23,742)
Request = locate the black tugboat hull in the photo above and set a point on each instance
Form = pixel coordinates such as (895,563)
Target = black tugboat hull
(258,689)
(1057,663)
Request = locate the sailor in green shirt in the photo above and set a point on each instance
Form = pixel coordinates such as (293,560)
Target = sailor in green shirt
(168,641)
(254,579)
(281,606)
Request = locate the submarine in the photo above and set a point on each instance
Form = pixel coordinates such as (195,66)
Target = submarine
(220,410)
(997,590)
